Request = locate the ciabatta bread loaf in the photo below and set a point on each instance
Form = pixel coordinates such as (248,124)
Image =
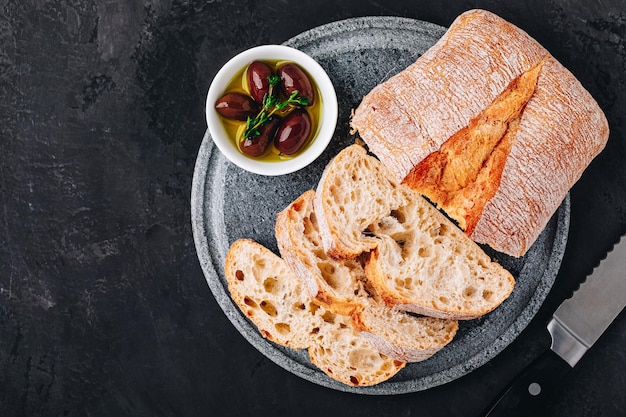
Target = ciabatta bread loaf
(340,286)
(489,126)
(418,259)
(272,297)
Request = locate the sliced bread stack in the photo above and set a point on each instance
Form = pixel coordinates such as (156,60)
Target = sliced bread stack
(360,256)
(340,285)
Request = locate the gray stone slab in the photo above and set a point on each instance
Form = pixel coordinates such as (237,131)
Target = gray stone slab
(228,203)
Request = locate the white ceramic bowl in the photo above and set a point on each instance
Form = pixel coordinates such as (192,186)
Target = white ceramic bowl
(327,123)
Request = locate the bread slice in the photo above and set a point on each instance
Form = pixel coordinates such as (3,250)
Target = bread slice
(402,335)
(419,260)
(337,285)
(340,285)
(266,291)
(426,264)
(350,358)
(353,192)
(488,125)
(273,298)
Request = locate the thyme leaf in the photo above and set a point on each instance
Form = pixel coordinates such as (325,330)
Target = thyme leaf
(271,104)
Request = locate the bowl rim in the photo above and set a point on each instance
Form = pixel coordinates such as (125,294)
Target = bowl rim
(328,120)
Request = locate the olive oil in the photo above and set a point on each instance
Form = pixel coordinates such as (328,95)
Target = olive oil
(235,129)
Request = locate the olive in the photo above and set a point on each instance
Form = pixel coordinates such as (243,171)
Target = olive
(294,79)
(258,80)
(293,132)
(256,145)
(236,106)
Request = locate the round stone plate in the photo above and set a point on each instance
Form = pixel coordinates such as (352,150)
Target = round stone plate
(228,203)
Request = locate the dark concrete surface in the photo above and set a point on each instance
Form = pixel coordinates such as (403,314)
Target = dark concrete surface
(104,310)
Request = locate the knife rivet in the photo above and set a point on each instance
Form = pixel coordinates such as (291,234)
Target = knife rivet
(534,389)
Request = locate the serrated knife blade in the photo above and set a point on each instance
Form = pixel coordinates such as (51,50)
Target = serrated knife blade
(575,326)
(580,320)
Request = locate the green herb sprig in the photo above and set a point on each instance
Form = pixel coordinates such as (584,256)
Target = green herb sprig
(271,104)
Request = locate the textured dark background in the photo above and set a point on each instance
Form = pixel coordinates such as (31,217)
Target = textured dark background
(104,310)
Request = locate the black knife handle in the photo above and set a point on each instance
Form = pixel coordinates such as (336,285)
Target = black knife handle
(526,392)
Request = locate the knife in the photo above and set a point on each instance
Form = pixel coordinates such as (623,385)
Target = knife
(575,326)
